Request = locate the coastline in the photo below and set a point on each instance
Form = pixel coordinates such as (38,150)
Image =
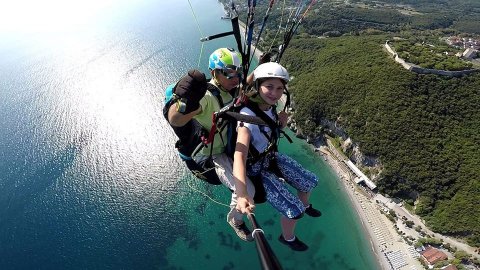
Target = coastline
(356,201)
(387,238)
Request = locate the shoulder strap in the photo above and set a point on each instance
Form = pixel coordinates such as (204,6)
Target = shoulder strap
(272,124)
(254,154)
(216,93)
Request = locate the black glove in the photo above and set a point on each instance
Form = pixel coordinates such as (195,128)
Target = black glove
(191,88)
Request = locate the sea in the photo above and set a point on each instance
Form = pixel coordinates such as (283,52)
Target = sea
(89,176)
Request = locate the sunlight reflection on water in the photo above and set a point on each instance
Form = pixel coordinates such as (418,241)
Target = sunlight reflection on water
(90,175)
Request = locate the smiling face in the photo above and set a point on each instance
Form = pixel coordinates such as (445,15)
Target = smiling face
(271,90)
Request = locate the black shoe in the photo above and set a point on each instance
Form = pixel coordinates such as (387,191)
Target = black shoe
(312,211)
(296,244)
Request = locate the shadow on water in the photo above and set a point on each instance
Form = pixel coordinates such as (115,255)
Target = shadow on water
(30,181)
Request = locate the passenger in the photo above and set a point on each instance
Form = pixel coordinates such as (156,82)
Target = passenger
(225,66)
(273,168)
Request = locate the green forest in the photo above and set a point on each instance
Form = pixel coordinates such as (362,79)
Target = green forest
(331,18)
(423,128)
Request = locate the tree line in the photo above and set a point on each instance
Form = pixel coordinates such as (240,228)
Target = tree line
(329,17)
(424,128)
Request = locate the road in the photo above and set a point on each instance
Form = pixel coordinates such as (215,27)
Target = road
(401,211)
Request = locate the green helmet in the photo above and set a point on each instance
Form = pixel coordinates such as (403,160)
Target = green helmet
(225,58)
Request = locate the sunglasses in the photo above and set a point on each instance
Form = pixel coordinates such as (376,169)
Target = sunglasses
(231,72)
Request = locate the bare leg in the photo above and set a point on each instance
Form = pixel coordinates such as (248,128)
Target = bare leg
(288,227)
(303,196)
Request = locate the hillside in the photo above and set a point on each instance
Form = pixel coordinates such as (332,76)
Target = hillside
(423,128)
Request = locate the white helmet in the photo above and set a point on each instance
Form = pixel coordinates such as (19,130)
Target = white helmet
(271,70)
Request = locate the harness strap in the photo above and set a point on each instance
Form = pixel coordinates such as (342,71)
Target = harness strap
(273,138)
(213,130)
(211,134)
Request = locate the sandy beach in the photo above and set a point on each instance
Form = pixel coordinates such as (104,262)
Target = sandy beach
(391,250)
(348,187)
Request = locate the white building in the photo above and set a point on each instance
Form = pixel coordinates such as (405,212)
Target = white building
(361,176)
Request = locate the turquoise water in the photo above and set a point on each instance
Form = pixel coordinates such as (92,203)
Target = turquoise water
(88,174)
(336,240)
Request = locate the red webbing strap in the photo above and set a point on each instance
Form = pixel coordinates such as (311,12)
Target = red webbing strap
(241,99)
(212,132)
